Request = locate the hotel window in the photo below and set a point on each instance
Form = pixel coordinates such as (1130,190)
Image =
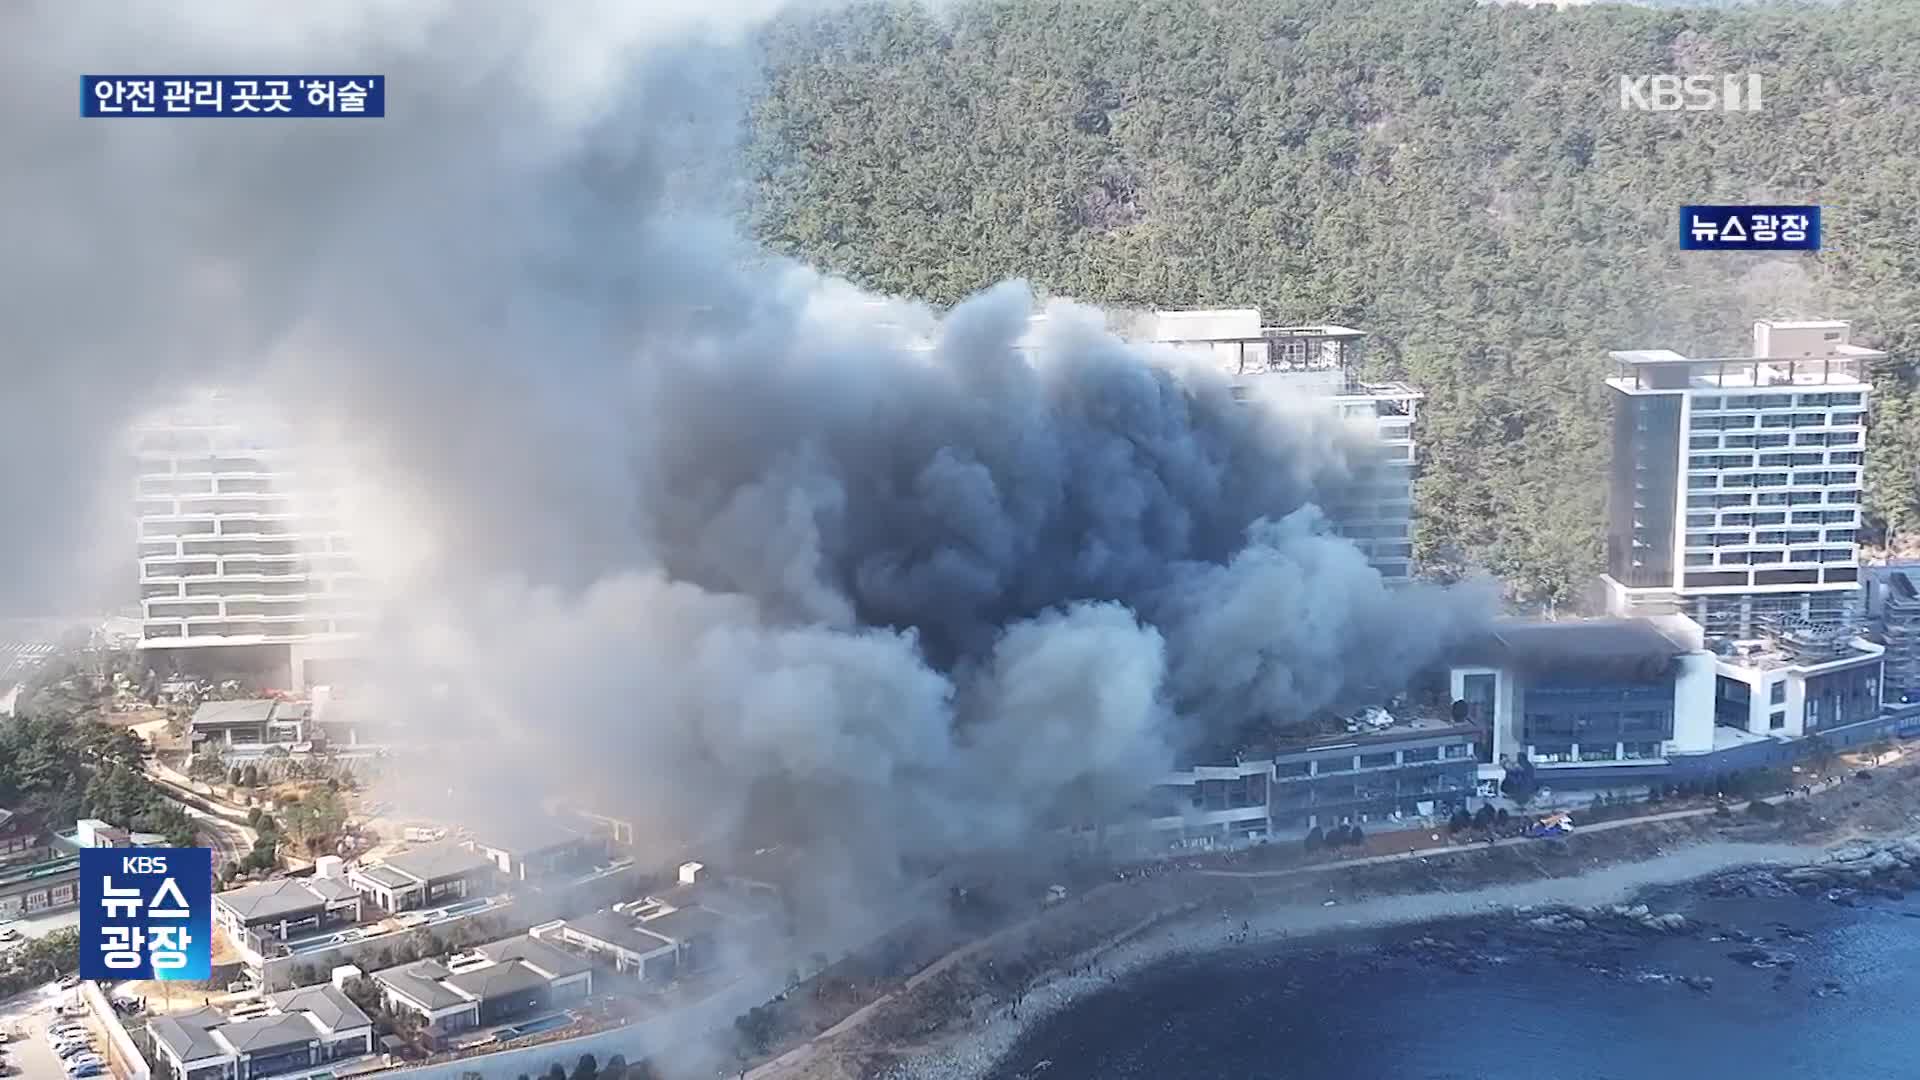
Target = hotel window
(1697,482)
(1766,442)
(1704,442)
(1843,496)
(1639,751)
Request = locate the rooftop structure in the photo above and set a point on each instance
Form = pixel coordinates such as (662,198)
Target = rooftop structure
(1735,484)
(308,1031)
(240,543)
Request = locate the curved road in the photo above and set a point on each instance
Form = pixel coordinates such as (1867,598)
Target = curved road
(230,840)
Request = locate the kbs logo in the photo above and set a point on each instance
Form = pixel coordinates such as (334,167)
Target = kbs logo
(1691,93)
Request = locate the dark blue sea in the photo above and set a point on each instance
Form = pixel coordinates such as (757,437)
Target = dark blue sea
(1491,1000)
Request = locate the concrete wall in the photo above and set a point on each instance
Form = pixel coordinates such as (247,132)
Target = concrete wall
(122,1054)
(1693,705)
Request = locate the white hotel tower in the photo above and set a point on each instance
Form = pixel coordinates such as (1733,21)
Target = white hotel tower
(244,569)
(1320,363)
(1735,493)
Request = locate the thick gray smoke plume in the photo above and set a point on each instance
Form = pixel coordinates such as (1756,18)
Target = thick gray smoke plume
(662,522)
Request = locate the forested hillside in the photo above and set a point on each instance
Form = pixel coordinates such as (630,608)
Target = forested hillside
(1458,179)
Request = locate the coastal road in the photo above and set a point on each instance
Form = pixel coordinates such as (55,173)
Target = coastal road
(1512,841)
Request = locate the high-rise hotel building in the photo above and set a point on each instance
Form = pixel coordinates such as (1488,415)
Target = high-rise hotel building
(1321,363)
(1735,483)
(245,569)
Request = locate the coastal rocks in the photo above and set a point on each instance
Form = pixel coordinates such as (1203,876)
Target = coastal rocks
(1558,922)
(1640,917)
(1702,983)
(1828,989)
(1763,958)
(1757,884)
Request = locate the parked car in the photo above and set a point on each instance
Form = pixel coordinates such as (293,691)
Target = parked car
(70,1049)
(68,982)
(85,1060)
(91,1068)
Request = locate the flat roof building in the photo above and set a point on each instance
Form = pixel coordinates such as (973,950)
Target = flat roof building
(1735,481)
(537,845)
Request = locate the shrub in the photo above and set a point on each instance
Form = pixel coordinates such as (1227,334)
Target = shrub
(1763,810)
(1460,820)
(1315,839)
(1485,817)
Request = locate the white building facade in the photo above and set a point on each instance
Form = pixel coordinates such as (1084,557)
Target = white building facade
(1736,482)
(240,544)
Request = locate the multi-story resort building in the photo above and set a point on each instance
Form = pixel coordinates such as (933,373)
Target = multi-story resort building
(244,565)
(1735,487)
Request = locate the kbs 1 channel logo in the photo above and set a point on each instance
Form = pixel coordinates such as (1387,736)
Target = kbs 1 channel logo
(254,96)
(1690,93)
(146,913)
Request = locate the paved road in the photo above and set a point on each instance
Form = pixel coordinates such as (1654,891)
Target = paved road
(230,840)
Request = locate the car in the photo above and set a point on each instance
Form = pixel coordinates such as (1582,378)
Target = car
(91,1068)
(67,1033)
(68,982)
(66,1050)
(85,1060)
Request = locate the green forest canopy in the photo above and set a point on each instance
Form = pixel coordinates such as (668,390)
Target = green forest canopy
(1458,179)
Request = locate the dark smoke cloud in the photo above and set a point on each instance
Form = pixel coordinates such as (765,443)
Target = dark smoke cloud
(662,521)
